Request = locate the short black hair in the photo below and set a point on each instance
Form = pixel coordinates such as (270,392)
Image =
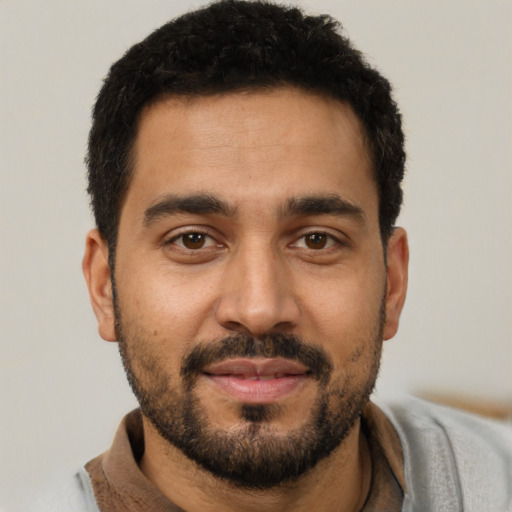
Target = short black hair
(229,46)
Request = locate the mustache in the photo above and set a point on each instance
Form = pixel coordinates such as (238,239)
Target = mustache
(271,345)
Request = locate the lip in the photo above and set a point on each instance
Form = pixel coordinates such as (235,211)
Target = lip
(257,380)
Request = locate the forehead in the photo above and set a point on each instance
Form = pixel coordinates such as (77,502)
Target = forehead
(273,144)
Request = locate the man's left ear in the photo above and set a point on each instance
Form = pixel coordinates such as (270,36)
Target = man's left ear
(397,273)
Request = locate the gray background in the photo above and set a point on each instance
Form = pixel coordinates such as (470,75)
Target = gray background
(62,389)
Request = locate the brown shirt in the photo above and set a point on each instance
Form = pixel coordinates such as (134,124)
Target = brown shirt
(120,486)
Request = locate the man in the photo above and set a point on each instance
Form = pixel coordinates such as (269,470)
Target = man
(244,169)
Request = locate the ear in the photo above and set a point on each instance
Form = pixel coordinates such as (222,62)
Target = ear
(97,275)
(397,273)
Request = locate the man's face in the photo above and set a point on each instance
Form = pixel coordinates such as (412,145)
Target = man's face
(250,280)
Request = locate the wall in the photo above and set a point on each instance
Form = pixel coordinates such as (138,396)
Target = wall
(62,389)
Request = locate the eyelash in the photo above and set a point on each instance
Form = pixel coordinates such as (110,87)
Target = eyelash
(332,241)
(203,232)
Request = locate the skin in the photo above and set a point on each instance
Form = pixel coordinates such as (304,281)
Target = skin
(255,273)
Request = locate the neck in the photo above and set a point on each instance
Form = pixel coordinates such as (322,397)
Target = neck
(338,482)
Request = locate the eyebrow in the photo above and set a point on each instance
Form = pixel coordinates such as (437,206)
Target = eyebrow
(323,205)
(206,204)
(198,204)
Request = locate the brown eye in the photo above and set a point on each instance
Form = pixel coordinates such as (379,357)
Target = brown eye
(316,240)
(193,240)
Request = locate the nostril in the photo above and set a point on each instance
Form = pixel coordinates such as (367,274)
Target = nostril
(240,328)
(236,327)
(283,327)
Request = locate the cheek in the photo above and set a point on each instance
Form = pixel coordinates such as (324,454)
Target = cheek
(167,311)
(345,310)
(347,321)
(161,297)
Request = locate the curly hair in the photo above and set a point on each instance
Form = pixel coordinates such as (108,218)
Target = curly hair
(236,45)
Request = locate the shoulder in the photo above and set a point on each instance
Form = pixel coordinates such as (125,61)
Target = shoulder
(64,494)
(452,458)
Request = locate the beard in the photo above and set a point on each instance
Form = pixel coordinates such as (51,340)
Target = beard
(253,454)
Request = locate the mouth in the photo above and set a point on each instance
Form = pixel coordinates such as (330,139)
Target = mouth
(257,380)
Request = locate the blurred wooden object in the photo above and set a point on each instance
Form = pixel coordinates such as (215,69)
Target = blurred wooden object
(491,409)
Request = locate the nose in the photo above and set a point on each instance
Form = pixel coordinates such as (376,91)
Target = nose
(257,294)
